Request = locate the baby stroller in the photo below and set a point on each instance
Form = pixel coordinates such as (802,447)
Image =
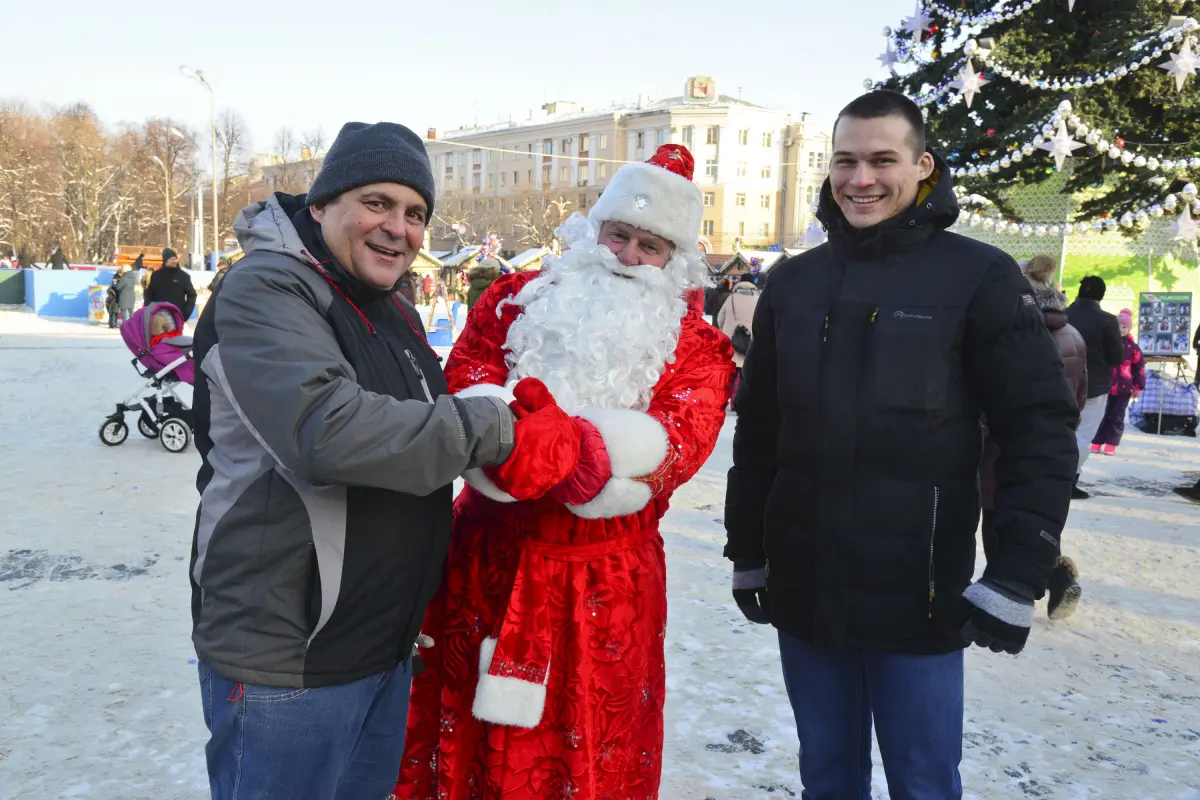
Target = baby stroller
(166,362)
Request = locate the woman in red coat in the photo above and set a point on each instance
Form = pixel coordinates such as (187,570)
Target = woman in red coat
(546,678)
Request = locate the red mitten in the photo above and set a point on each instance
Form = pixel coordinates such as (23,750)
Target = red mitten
(594,468)
(546,450)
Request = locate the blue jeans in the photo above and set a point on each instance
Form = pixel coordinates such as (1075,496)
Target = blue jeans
(333,743)
(916,702)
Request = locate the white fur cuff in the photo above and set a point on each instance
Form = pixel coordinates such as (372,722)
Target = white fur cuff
(506,701)
(618,498)
(636,442)
(488,390)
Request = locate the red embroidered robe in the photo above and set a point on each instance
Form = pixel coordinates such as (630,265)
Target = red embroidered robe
(550,620)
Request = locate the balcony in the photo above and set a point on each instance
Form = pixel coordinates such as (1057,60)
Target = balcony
(582,182)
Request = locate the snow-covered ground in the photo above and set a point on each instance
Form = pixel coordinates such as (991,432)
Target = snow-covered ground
(98,695)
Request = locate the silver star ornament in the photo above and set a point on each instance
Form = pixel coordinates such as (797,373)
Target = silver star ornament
(918,23)
(969,82)
(1182,64)
(1184,228)
(888,59)
(1061,146)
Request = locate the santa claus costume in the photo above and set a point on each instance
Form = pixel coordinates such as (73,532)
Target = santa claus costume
(546,678)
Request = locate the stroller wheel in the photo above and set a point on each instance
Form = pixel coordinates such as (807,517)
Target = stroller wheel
(174,435)
(114,431)
(146,427)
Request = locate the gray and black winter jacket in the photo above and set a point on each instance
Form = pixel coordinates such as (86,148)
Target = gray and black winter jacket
(330,445)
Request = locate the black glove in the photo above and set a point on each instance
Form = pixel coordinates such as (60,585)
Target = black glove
(750,593)
(996,616)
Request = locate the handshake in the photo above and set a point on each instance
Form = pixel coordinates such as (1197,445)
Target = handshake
(554,454)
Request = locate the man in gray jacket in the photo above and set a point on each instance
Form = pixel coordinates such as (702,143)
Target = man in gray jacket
(329,447)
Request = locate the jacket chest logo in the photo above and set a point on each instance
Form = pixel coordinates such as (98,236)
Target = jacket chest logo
(906,315)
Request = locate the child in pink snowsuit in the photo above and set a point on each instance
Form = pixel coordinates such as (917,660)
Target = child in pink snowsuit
(1129,380)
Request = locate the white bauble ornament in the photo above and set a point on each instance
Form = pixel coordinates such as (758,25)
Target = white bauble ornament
(1139,162)
(1188,192)
(1065,107)
(1092,138)
(1027,148)
(1048,129)
(1005,162)
(964,215)
(1142,218)
(1039,230)
(1194,163)
(1082,129)
(970,47)
(1114,152)
(1127,158)
(989,223)
(1152,163)
(1170,201)
(1018,157)
(1156,210)
(1168,164)
(1127,220)
(1039,139)
(1073,121)
(993,168)
(868,84)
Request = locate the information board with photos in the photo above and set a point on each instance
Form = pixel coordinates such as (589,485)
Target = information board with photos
(1165,323)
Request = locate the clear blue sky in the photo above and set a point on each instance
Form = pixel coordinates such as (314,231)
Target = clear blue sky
(308,63)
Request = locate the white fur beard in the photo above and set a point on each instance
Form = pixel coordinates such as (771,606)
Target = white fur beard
(595,338)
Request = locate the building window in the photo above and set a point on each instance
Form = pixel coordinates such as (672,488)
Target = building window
(462,159)
(710,168)
(708,227)
(502,155)
(564,174)
(764,201)
(603,140)
(503,178)
(603,171)
(516,177)
(491,205)
(744,136)
(687,135)
(714,134)
(548,147)
(529,175)
(709,199)
(640,140)
(546,174)
(584,141)
(739,199)
(742,228)
(476,157)
(741,169)
(530,149)
(766,229)
(808,195)
(766,172)
(475,181)
(585,171)
(767,139)
(566,145)
(582,202)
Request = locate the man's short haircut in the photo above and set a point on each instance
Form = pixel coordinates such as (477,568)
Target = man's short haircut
(886,103)
(1093,288)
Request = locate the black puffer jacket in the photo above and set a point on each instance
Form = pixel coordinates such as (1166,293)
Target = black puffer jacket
(858,437)
(1102,335)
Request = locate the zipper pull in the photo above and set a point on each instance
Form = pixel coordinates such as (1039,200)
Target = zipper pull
(825,335)
(874,314)
(931,595)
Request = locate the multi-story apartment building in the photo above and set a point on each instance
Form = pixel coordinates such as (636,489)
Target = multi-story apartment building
(519,179)
(759,171)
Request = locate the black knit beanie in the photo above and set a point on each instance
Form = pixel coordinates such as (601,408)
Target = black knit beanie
(381,153)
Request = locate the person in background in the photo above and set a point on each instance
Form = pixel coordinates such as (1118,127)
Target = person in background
(1128,381)
(138,266)
(110,302)
(170,284)
(1063,588)
(407,287)
(718,298)
(479,278)
(58,259)
(5,262)
(736,320)
(427,289)
(126,283)
(1102,335)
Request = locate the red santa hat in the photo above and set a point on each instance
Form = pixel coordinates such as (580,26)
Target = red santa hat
(657,196)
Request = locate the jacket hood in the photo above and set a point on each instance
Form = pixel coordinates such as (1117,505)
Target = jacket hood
(936,208)
(266,227)
(1048,298)
(745,286)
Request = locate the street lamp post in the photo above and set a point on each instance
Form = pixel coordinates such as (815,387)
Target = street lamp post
(198,75)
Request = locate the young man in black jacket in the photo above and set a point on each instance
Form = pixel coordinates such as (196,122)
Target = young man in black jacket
(1102,335)
(853,499)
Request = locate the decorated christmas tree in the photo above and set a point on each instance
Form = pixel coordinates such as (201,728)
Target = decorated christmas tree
(1095,101)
